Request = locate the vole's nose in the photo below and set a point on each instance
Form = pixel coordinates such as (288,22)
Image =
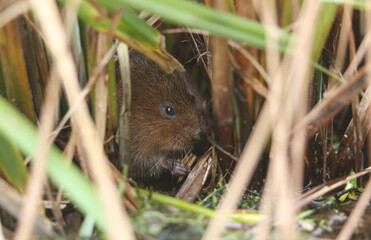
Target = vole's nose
(200,142)
(198,133)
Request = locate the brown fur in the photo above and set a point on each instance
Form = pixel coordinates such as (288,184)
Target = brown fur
(157,139)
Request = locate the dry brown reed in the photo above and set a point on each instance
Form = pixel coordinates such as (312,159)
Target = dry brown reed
(91,144)
(286,106)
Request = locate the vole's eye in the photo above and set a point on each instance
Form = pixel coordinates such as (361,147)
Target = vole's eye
(169,111)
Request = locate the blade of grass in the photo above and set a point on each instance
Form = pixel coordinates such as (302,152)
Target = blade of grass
(287,12)
(36,61)
(14,70)
(2,81)
(196,15)
(11,164)
(112,123)
(251,217)
(360,5)
(326,17)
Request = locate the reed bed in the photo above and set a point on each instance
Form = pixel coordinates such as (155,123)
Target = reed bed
(288,94)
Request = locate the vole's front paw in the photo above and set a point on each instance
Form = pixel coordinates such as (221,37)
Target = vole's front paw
(180,169)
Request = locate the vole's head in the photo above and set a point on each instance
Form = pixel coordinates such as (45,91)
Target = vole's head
(165,116)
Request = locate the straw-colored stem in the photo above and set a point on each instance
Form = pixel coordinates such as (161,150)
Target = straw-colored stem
(118,225)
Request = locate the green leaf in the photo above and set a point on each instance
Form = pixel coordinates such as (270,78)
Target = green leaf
(250,217)
(357,4)
(187,13)
(15,128)
(306,213)
(11,164)
(287,12)
(352,183)
(113,111)
(353,195)
(343,197)
(326,17)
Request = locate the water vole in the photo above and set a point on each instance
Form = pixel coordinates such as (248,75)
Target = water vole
(165,120)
